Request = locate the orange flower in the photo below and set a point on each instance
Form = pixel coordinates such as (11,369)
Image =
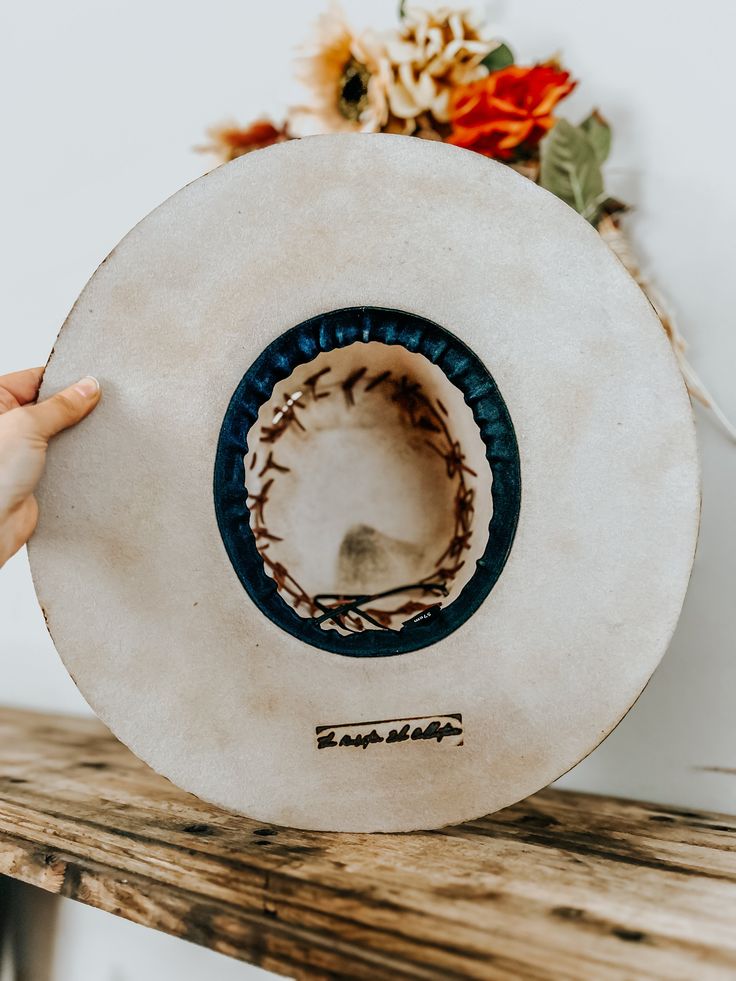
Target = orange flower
(508,111)
(230,141)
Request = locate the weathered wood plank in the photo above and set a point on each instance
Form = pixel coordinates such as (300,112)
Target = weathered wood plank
(565,885)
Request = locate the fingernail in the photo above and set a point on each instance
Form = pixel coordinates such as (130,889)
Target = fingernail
(87,387)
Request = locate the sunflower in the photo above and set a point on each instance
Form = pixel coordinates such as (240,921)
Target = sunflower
(347,77)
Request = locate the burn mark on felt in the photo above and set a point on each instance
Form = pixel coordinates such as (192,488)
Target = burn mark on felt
(361,552)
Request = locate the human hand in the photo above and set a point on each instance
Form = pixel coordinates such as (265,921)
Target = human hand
(25,430)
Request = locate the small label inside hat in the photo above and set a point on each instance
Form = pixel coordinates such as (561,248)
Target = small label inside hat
(425,617)
(445,730)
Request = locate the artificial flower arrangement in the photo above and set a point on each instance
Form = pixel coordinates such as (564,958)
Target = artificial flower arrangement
(439,76)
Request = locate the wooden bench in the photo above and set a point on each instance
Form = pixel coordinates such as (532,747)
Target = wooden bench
(563,886)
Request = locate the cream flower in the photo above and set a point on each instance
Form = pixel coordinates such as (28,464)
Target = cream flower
(434,51)
(348,79)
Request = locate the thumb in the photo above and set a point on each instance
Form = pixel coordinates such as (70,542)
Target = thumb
(65,408)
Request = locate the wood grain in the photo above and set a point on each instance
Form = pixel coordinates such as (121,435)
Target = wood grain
(564,885)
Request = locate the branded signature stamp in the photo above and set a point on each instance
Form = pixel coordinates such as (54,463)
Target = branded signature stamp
(446,730)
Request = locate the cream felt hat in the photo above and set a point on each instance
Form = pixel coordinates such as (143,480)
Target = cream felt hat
(388,511)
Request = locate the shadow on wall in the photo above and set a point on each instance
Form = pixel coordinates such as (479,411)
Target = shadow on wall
(27,929)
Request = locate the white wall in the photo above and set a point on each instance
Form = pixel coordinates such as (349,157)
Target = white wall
(106,101)
(60,940)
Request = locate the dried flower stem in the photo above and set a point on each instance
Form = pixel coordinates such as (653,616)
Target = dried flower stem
(614,236)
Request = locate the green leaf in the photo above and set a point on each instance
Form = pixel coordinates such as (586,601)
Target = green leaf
(402,9)
(500,57)
(570,169)
(598,132)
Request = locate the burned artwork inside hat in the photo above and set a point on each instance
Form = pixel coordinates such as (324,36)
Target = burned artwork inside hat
(380,479)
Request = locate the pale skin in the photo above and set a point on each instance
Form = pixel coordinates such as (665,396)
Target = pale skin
(26,426)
